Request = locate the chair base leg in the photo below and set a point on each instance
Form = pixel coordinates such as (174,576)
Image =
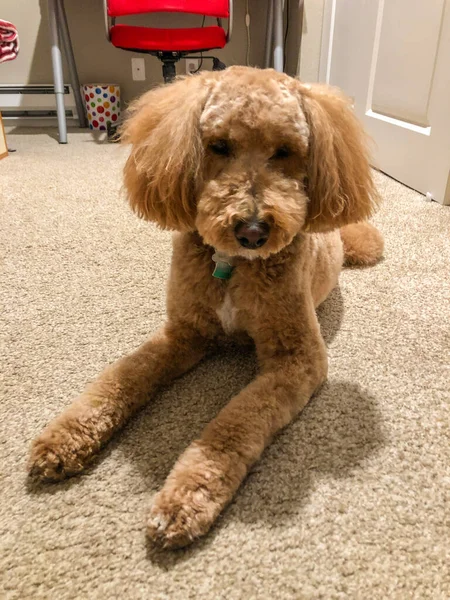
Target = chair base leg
(218,65)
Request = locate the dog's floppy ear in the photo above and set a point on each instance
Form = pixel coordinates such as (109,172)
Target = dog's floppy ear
(162,172)
(339,181)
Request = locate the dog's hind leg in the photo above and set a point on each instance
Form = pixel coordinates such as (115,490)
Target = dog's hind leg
(363,244)
(74,437)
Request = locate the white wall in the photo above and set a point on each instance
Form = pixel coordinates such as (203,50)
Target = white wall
(308,69)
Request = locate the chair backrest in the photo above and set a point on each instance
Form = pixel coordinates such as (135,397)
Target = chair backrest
(210,8)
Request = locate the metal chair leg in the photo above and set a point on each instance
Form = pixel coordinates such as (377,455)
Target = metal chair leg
(65,36)
(57,71)
(278,52)
(269,36)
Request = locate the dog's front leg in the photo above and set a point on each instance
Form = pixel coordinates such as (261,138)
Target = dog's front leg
(74,437)
(210,471)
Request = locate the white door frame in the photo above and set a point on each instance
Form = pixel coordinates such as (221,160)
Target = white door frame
(329,12)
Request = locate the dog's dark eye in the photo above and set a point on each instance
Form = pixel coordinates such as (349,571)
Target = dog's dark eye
(281,152)
(221,147)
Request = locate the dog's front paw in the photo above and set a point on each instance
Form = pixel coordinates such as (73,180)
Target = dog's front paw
(179,516)
(195,493)
(56,454)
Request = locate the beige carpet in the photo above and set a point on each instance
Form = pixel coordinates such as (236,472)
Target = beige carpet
(351,501)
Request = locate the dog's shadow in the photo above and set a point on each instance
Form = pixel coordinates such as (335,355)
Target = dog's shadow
(335,433)
(331,314)
(178,415)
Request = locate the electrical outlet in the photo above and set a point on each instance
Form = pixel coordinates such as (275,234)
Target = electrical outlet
(192,65)
(138,69)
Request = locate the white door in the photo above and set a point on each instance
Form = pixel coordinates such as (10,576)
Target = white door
(393,58)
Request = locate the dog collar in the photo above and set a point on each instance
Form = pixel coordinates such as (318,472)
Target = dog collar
(224,265)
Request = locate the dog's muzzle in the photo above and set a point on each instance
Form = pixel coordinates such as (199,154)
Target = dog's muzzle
(252,234)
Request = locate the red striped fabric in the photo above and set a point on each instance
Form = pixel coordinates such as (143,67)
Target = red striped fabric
(9,41)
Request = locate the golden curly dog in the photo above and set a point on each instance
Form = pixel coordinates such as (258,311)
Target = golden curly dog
(261,176)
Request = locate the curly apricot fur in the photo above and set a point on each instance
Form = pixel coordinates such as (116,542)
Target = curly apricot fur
(291,155)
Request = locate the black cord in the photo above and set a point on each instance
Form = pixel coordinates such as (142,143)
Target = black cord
(286,35)
(200,65)
(201,53)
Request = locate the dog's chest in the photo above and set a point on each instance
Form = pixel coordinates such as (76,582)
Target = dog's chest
(228,313)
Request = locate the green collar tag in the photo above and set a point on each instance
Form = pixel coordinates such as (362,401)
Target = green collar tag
(224,267)
(223,270)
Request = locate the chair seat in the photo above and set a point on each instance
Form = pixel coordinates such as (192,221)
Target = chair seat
(150,39)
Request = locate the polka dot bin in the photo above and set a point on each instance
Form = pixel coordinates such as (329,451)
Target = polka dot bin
(102,101)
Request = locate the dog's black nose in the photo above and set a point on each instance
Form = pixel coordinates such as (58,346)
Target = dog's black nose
(252,234)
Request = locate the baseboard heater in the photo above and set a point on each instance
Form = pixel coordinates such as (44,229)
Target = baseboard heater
(33,102)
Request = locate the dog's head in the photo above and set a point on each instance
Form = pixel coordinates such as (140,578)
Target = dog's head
(249,158)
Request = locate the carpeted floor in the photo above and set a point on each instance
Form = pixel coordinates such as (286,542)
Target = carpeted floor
(351,501)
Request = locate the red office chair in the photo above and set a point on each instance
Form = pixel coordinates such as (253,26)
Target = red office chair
(169,45)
